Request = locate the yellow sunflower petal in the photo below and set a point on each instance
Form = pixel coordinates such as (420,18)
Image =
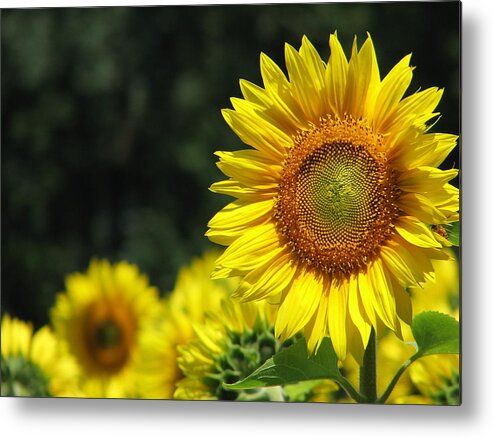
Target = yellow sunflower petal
(247,107)
(356,343)
(236,189)
(444,144)
(403,304)
(316,329)
(420,207)
(392,88)
(299,305)
(429,150)
(383,294)
(414,231)
(316,68)
(357,312)
(235,218)
(337,306)
(258,133)
(414,257)
(279,91)
(302,87)
(366,295)
(255,94)
(425,179)
(336,76)
(363,80)
(394,262)
(248,168)
(267,280)
(416,109)
(253,249)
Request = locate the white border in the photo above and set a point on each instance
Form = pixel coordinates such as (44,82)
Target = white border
(81,417)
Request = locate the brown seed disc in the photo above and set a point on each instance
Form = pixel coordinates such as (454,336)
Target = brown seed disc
(337,198)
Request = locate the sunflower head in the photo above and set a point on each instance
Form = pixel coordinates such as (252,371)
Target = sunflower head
(102,318)
(32,364)
(339,199)
(228,347)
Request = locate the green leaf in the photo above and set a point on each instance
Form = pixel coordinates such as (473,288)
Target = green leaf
(293,365)
(435,333)
(453,233)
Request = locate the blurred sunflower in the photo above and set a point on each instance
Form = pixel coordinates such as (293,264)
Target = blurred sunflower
(441,292)
(193,296)
(436,380)
(33,364)
(335,199)
(230,345)
(103,318)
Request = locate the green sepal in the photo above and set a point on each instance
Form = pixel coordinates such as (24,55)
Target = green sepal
(293,365)
(21,377)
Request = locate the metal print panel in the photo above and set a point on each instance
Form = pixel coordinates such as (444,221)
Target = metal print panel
(237,203)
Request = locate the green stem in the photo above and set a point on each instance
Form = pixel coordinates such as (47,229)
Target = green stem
(350,390)
(368,371)
(388,390)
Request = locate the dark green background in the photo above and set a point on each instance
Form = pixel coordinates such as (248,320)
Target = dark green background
(110,118)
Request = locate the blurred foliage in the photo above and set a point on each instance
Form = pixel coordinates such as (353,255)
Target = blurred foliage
(110,117)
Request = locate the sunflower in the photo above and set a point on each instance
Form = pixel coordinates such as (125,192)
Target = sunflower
(194,295)
(102,318)
(336,198)
(229,346)
(33,364)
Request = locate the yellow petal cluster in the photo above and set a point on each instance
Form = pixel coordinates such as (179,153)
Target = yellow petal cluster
(42,350)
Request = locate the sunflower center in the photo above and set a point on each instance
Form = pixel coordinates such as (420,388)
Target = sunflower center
(337,197)
(109,331)
(108,334)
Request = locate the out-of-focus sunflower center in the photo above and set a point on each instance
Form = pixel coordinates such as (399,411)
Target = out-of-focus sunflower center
(337,198)
(109,333)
